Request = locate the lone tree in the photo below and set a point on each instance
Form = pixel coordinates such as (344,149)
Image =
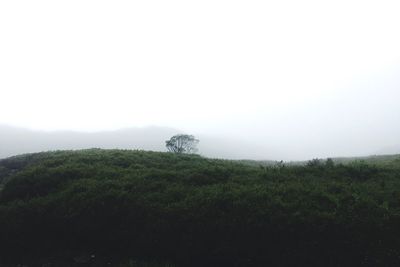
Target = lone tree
(182,143)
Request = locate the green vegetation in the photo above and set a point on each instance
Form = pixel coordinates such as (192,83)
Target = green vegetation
(391,161)
(186,210)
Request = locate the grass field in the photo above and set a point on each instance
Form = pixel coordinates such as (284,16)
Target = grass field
(185,210)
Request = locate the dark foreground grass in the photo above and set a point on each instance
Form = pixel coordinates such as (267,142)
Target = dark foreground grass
(185,210)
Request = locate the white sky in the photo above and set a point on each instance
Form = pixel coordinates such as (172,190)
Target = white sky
(321,73)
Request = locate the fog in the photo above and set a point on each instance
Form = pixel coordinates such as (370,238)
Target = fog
(251,79)
(15,141)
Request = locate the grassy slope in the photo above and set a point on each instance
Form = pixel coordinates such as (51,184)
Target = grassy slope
(194,211)
(377,160)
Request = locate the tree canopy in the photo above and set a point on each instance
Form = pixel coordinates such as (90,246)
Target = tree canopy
(182,143)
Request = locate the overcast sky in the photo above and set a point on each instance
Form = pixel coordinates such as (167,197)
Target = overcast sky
(314,78)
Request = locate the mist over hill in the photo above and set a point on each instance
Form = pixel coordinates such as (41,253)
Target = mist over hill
(389,150)
(14,141)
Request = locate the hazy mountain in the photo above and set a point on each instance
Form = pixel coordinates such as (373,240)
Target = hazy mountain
(389,150)
(14,141)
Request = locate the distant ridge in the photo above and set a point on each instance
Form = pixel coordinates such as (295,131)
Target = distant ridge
(389,150)
(15,141)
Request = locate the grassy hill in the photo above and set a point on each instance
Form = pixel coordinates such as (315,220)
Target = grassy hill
(379,160)
(391,161)
(191,211)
